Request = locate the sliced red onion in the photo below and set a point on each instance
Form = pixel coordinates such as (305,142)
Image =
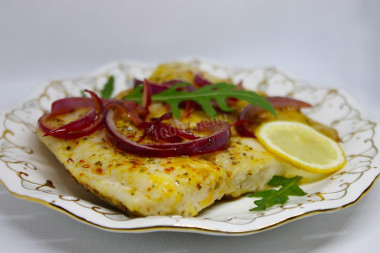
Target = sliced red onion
(137,82)
(78,124)
(78,128)
(163,117)
(129,109)
(149,127)
(242,130)
(251,111)
(240,85)
(147,95)
(180,132)
(163,132)
(217,141)
(136,113)
(200,81)
(277,102)
(189,108)
(185,134)
(155,87)
(66,105)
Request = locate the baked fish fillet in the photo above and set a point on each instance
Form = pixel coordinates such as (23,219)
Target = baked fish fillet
(164,186)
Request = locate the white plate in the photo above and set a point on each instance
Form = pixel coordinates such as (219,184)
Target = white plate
(29,171)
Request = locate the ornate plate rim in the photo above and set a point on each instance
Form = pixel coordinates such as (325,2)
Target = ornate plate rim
(181,226)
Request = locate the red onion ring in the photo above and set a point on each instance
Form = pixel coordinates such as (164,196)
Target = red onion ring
(151,88)
(147,95)
(150,127)
(242,130)
(277,102)
(80,127)
(199,81)
(251,111)
(155,87)
(66,105)
(217,141)
(78,124)
(163,132)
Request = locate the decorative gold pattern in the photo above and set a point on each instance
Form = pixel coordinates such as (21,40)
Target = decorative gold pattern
(24,161)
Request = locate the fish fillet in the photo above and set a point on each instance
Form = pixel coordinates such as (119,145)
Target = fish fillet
(164,186)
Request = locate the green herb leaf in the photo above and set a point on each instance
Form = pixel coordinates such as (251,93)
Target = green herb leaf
(108,88)
(218,92)
(82,93)
(272,197)
(135,95)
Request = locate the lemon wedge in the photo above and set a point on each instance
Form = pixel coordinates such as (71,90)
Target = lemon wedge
(301,146)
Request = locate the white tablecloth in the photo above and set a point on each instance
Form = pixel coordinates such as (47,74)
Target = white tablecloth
(330,43)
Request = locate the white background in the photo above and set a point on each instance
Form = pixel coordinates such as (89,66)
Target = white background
(332,43)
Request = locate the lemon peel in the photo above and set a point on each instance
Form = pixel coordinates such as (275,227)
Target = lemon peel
(301,146)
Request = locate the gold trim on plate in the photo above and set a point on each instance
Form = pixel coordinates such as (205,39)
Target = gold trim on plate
(268,80)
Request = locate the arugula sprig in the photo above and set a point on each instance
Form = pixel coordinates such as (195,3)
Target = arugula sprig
(218,92)
(136,94)
(272,197)
(83,94)
(107,90)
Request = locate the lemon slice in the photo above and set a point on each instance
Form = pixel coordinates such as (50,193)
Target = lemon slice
(301,146)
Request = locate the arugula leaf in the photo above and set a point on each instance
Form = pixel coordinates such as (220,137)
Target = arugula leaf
(272,197)
(82,93)
(107,90)
(135,95)
(204,96)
